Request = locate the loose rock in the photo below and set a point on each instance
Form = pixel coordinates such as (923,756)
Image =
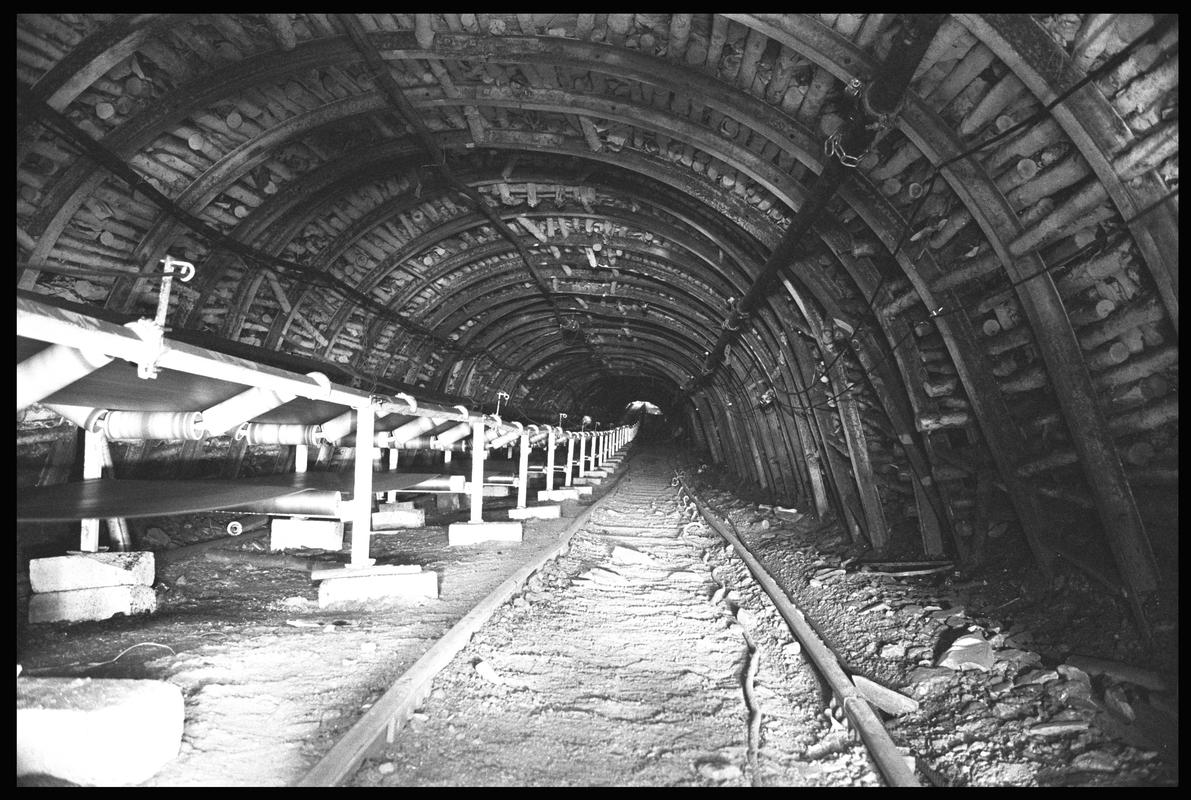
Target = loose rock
(719,771)
(969,650)
(926,681)
(485,671)
(1094,761)
(1058,727)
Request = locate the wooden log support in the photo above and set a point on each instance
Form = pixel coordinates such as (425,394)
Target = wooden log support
(618,28)
(680,32)
(282,30)
(715,43)
(424,31)
(753,47)
(943,420)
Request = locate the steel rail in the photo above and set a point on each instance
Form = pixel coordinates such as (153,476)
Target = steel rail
(889,759)
(380,723)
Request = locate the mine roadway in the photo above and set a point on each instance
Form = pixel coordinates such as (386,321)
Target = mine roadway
(626,645)
(630,659)
(643,638)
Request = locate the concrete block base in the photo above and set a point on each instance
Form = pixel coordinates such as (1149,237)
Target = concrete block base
(63,723)
(558,494)
(288,532)
(589,480)
(584,491)
(535,512)
(104,602)
(90,571)
(597,473)
(465,533)
(347,587)
(389,518)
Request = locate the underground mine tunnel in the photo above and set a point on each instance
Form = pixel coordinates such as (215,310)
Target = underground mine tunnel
(619,399)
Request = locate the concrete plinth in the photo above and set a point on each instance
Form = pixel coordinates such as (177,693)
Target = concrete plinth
(104,602)
(597,473)
(348,587)
(535,512)
(584,491)
(90,571)
(465,533)
(389,518)
(64,725)
(287,532)
(589,481)
(558,494)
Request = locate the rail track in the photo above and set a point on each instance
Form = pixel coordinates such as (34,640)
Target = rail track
(647,647)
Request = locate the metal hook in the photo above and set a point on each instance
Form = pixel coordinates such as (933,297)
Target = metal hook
(163,297)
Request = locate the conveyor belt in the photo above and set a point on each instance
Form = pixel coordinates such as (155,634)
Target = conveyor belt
(319,493)
(381,481)
(102,499)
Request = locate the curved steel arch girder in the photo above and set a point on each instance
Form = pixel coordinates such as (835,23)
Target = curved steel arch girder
(521,322)
(1056,340)
(694,300)
(1097,131)
(472,221)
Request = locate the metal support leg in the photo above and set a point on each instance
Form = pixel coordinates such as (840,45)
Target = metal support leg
(477,472)
(391,497)
(582,447)
(92,468)
(119,537)
(523,471)
(570,460)
(550,445)
(362,492)
(301,458)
